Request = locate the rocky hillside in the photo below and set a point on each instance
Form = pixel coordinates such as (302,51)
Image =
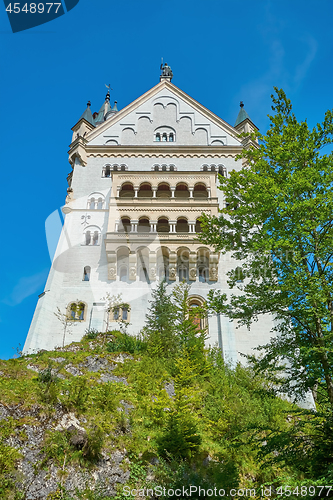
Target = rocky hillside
(113,414)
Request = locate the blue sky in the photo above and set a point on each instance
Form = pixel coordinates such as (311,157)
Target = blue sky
(220,52)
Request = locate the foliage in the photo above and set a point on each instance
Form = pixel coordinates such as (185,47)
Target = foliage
(278,225)
(115,303)
(66,321)
(91,333)
(123,342)
(159,329)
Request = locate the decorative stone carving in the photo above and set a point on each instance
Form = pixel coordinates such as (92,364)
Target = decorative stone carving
(152,273)
(112,273)
(132,273)
(172,273)
(193,273)
(213,273)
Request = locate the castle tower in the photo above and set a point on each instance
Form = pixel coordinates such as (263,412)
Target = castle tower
(141,177)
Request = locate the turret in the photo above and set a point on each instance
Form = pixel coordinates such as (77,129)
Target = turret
(244,124)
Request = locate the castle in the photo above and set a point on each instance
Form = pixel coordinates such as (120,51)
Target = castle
(141,177)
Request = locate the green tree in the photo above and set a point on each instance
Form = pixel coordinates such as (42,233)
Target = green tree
(160,323)
(278,225)
(189,328)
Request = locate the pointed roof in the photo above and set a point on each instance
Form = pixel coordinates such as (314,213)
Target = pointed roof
(87,115)
(242,115)
(105,108)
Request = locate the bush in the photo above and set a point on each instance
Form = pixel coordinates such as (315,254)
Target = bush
(91,333)
(180,440)
(126,343)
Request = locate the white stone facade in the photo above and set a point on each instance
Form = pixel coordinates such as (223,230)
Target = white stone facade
(141,179)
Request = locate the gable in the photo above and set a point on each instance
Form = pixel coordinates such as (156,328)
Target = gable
(163,116)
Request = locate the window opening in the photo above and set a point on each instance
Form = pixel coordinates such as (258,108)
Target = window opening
(86,273)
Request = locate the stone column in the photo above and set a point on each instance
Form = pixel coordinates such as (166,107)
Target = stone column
(132,266)
(172,189)
(153,227)
(117,226)
(213,266)
(172,226)
(193,266)
(118,191)
(136,189)
(134,226)
(209,192)
(191,192)
(191,227)
(172,266)
(112,266)
(152,266)
(154,189)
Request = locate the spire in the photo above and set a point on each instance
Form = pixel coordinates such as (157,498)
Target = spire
(242,115)
(106,110)
(87,115)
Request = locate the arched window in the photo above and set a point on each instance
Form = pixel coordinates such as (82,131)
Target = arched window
(213,168)
(203,274)
(115,168)
(200,191)
(198,315)
(183,258)
(164,167)
(77,311)
(125,225)
(123,274)
(88,238)
(145,191)
(100,203)
(164,138)
(123,263)
(182,225)
(156,168)
(127,191)
(162,225)
(205,168)
(106,171)
(92,204)
(158,137)
(163,191)
(143,226)
(120,313)
(123,167)
(182,191)
(198,228)
(172,168)
(182,272)
(171,137)
(222,171)
(95,238)
(86,273)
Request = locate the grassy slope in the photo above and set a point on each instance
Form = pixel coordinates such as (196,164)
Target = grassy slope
(209,432)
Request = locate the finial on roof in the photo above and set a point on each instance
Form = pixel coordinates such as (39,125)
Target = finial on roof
(107,98)
(87,114)
(241,104)
(166,72)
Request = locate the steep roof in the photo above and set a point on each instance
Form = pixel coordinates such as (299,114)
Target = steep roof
(242,115)
(87,115)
